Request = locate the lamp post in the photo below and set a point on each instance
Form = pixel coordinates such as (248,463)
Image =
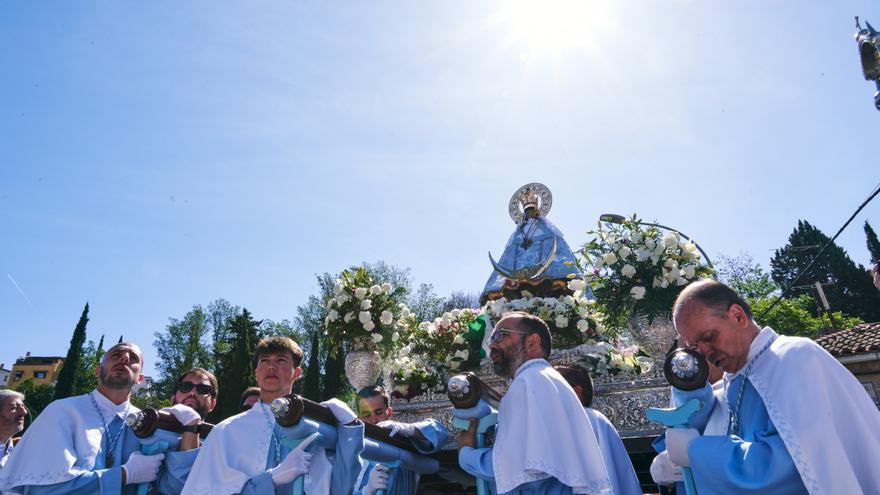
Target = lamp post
(619,219)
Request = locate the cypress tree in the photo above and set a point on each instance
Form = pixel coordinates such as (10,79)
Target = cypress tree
(66,384)
(236,367)
(312,382)
(873,243)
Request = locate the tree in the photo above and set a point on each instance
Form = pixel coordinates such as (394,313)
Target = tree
(220,314)
(181,347)
(235,369)
(794,317)
(744,275)
(66,384)
(873,243)
(850,288)
(37,396)
(425,304)
(461,300)
(86,381)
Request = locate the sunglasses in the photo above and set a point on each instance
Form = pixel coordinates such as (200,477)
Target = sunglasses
(201,388)
(498,334)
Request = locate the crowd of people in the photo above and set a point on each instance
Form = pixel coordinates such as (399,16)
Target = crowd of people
(785,417)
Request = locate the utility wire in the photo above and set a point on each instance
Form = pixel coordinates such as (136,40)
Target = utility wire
(816,258)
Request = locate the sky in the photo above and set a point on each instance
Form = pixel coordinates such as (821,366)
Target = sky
(158,155)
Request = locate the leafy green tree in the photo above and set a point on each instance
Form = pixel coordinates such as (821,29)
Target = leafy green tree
(873,243)
(181,347)
(235,370)
(86,381)
(425,304)
(851,289)
(66,384)
(220,313)
(149,401)
(744,275)
(794,317)
(37,396)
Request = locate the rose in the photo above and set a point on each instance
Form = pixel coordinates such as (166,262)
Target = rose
(628,271)
(341,298)
(561,322)
(459,339)
(395,337)
(366,304)
(360,292)
(583,326)
(369,326)
(365,316)
(386,287)
(689,272)
(609,258)
(637,292)
(339,287)
(576,284)
(670,240)
(377,337)
(386,318)
(624,252)
(375,290)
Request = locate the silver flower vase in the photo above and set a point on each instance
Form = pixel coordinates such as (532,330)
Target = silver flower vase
(655,336)
(363,365)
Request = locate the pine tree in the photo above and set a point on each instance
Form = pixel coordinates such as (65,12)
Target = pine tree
(236,367)
(66,384)
(851,290)
(873,243)
(312,381)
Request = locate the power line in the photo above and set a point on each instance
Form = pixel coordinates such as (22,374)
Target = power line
(819,255)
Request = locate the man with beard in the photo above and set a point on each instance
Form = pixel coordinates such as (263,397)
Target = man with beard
(195,395)
(12,413)
(544,443)
(81,444)
(247,453)
(427,436)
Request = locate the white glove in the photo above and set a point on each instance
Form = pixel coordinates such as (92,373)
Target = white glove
(142,468)
(295,464)
(677,441)
(340,410)
(378,479)
(183,413)
(664,471)
(406,430)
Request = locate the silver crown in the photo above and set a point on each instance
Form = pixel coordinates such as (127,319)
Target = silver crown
(458,386)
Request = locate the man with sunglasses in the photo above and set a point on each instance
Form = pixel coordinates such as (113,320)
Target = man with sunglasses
(194,397)
(544,443)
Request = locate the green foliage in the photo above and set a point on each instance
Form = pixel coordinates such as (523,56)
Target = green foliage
(794,317)
(744,275)
(149,401)
(851,291)
(37,396)
(220,314)
(182,346)
(873,243)
(66,384)
(86,381)
(235,369)
(425,304)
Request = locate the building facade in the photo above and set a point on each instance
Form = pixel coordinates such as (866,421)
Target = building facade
(858,349)
(43,370)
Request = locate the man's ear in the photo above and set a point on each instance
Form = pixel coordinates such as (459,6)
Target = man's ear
(738,314)
(297,373)
(390,412)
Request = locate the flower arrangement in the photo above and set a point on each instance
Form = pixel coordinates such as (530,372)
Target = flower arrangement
(452,341)
(412,375)
(637,269)
(607,361)
(362,311)
(572,319)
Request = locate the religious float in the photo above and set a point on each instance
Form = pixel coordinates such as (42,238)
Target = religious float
(607,306)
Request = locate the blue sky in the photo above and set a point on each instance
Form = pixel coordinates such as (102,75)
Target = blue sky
(157,155)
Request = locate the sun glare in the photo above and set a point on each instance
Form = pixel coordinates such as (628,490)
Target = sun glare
(554,26)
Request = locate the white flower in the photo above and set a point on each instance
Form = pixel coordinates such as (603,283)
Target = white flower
(664,283)
(624,252)
(339,287)
(628,271)
(583,312)
(375,290)
(431,329)
(423,326)
(462,353)
(455,313)
(561,322)
(405,313)
(635,236)
(366,304)
(670,240)
(365,316)
(446,319)
(405,350)
(386,288)
(583,326)
(377,337)
(386,318)
(341,299)
(609,258)
(459,339)
(330,302)
(369,326)
(650,243)
(333,315)
(616,360)
(348,317)
(643,254)
(360,292)
(576,284)
(637,292)
(681,281)
(569,301)
(395,337)
(598,263)
(688,272)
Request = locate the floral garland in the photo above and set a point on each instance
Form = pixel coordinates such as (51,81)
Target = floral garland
(607,361)
(572,319)
(362,311)
(637,269)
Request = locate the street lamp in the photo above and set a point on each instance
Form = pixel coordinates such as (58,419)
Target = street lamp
(619,219)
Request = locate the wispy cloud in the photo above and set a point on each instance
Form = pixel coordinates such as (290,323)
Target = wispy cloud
(19,290)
